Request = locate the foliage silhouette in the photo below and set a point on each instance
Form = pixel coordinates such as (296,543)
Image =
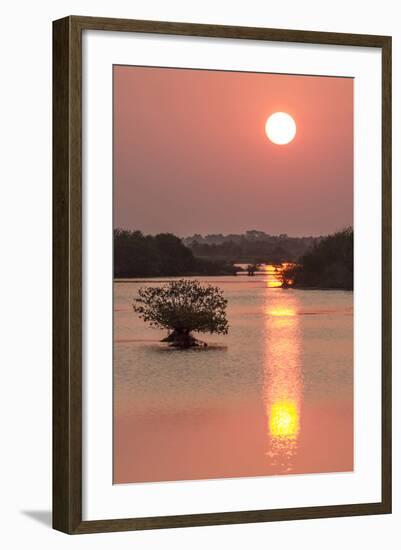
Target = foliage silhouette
(163,255)
(183,306)
(330,264)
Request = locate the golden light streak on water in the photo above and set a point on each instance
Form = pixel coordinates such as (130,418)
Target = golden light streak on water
(273,275)
(283,383)
(284,419)
(272,278)
(281,311)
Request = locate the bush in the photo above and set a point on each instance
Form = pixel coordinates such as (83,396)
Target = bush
(183,306)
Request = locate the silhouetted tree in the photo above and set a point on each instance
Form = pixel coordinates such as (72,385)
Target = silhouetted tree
(183,306)
(329,264)
(163,255)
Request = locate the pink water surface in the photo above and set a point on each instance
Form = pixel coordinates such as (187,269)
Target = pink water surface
(274,396)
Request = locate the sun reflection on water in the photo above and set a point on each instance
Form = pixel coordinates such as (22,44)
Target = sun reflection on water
(272,276)
(284,419)
(281,311)
(282,379)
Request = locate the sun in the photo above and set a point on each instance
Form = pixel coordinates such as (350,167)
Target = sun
(280,128)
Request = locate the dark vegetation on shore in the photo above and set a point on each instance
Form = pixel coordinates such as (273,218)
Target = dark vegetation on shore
(324,262)
(329,264)
(163,255)
(254,247)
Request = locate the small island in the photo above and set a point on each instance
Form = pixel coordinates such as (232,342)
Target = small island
(183,307)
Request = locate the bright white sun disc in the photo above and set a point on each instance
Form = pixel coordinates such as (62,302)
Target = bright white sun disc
(280,128)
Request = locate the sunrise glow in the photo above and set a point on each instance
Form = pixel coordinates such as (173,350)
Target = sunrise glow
(280,128)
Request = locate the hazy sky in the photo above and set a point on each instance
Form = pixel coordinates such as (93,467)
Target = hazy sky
(191,154)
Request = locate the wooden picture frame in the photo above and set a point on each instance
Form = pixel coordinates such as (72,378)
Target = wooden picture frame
(67,274)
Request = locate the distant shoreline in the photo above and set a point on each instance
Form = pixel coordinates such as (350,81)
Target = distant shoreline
(167,279)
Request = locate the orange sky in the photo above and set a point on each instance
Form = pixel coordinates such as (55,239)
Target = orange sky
(191,154)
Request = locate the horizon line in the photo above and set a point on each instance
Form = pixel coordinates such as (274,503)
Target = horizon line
(244,233)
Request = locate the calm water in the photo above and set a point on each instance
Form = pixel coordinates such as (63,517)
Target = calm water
(274,396)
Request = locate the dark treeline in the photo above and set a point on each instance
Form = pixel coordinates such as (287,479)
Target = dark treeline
(329,264)
(163,255)
(322,262)
(250,247)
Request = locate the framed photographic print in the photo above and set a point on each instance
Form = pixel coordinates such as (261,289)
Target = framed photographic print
(222,274)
